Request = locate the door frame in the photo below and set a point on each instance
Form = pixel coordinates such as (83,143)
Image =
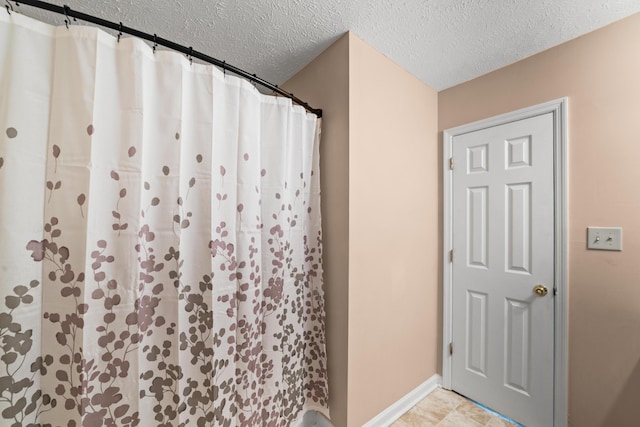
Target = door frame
(559,108)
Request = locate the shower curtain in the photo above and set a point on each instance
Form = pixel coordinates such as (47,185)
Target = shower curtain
(160,240)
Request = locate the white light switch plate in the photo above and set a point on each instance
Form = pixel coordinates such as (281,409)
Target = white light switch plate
(604,238)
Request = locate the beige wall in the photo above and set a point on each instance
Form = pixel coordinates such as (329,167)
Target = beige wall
(393,232)
(600,73)
(324,83)
(380,218)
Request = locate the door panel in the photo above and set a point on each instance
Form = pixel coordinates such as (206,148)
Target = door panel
(477,333)
(519,228)
(518,324)
(503,231)
(478,225)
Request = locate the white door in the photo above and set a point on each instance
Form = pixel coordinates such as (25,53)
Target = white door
(503,238)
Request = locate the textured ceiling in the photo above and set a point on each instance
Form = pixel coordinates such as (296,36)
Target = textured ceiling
(442,42)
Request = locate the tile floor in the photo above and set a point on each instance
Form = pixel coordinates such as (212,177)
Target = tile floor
(444,408)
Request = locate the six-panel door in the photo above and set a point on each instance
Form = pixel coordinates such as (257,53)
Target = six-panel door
(503,237)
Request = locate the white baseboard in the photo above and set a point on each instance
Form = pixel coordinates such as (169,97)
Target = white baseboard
(395,411)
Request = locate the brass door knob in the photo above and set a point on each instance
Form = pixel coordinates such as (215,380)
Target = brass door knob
(540,290)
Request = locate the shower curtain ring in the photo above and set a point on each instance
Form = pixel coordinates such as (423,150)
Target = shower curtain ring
(155,43)
(67,21)
(120,32)
(190,55)
(9,7)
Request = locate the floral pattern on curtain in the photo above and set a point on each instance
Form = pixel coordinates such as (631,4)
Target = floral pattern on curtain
(160,239)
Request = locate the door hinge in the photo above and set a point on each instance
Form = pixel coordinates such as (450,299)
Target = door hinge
(451,255)
(451,163)
(555,291)
(450,348)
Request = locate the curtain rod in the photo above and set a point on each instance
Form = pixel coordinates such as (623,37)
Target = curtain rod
(188,51)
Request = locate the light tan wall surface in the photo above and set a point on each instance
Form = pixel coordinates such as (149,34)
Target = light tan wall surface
(380,212)
(600,73)
(393,232)
(324,83)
